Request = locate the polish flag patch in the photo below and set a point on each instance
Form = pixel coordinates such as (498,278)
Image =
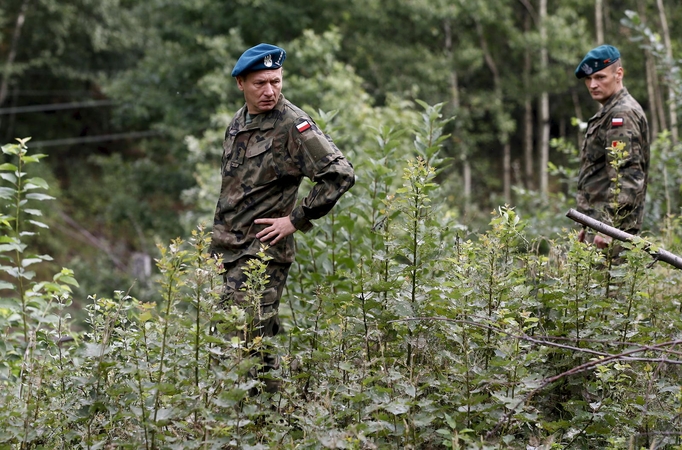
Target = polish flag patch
(301,127)
(617,122)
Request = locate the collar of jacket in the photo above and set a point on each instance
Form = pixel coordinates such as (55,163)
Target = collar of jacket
(611,101)
(265,121)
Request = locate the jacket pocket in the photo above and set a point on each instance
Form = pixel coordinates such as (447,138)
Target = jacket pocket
(261,159)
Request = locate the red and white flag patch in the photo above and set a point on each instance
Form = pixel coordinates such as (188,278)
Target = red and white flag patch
(617,122)
(301,127)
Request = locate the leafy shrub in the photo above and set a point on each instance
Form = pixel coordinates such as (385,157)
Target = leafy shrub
(403,330)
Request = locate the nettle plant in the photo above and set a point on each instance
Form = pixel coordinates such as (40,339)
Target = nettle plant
(33,314)
(427,336)
(402,330)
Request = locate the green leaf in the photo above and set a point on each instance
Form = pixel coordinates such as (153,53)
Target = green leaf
(94,350)
(34,158)
(28,261)
(8,167)
(40,197)
(33,212)
(397,407)
(68,280)
(7,193)
(37,183)
(9,177)
(38,224)
(13,247)
(347,366)
(7,302)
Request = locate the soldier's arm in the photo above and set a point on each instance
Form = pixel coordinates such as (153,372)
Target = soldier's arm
(325,165)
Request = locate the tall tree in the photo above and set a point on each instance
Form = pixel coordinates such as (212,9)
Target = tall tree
(528,128)
(543,147)
(12,54)
(599,21)
(672,101)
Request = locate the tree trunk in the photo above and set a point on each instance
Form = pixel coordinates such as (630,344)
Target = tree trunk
(528,116)
(578,115)
(672,104)
(457,141)
(544,104)
(660,104)
(466,174)
(12,51)
(528,143)
(599,21)
(651,82)
(499,114)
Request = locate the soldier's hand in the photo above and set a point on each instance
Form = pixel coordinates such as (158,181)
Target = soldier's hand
(581,235)
(602,241)
(277,230)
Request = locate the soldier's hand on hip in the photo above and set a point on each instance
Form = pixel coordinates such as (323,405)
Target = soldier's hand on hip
(581,235)
(278,229)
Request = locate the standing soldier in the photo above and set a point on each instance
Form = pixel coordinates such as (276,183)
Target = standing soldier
(269,147)
(613,195)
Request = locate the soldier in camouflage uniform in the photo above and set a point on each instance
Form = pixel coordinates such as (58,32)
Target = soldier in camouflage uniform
(621,126)
(269,147)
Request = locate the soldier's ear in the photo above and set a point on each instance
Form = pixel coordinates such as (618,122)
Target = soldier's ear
(240,82)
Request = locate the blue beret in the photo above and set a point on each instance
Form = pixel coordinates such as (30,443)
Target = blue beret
(597,59)
(260,57)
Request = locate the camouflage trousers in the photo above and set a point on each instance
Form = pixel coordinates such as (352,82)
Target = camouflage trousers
(265,322)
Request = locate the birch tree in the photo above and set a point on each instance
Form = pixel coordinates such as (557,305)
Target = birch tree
(672,101)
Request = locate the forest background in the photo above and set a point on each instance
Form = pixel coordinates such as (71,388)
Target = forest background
(129,100)
(459,106)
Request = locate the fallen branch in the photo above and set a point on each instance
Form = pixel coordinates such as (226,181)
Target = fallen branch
(601,227)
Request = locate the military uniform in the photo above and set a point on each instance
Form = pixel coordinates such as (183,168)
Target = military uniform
(265,157)
(263,165)
(620,123)
(619,127)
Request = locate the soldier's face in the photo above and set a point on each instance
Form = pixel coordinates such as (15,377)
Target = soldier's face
(261,89)
(603,84)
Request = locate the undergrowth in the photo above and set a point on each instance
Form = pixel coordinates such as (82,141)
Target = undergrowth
(402,330)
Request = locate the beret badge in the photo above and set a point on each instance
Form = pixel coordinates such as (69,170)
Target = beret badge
(267,61)
(587,69)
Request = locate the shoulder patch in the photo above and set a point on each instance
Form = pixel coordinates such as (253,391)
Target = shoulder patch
(617,122)
(301,127)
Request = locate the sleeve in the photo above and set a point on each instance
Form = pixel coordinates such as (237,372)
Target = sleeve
(320,160)
(627,136)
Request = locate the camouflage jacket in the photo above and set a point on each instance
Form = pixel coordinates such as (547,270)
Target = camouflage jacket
(620,123)
(263,165)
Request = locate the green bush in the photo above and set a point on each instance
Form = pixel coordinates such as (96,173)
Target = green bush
(402,330)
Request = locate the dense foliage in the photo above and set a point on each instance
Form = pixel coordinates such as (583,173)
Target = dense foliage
(414,318)
(403,329)
(112,90)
